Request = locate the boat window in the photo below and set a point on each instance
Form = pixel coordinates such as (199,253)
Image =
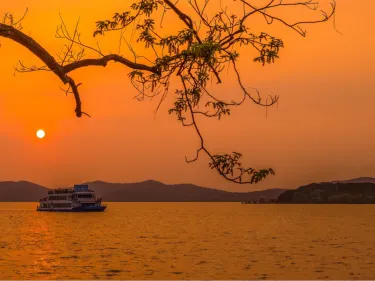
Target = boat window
(61,205)
(57,197)
(84,196)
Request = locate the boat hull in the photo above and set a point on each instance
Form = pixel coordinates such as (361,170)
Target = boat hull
(77,209)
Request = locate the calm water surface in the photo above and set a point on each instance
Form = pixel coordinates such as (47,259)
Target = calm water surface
(189,241)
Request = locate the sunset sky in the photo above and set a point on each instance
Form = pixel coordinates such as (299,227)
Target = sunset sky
(321,130)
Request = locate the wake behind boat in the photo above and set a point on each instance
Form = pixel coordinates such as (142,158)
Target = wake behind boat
(77,199)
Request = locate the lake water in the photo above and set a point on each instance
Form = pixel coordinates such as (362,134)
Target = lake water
(189,241)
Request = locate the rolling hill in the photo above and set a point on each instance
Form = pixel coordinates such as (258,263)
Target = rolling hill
(341,192)
(358,180)
(21,191)
(147,191)
(153,191)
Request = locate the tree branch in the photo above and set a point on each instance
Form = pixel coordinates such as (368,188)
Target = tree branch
(195,54)
(104,61)
(12,33)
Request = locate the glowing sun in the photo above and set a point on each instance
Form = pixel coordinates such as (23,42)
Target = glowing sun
(40,134)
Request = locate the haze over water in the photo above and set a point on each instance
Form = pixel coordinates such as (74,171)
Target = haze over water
(189,241)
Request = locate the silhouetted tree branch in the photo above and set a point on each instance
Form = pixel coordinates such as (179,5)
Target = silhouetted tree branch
(195,54)
(13,32)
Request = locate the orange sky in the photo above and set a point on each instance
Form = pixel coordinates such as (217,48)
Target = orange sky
(322,129)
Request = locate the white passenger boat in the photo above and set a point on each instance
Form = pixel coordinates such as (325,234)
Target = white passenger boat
(77,199)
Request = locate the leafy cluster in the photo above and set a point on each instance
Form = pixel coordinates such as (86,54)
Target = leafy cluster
(121,20)
(228,165)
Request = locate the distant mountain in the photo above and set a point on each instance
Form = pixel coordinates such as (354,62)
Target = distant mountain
(21,191)
(154,191)
(147,191)
(345,192)
(357,180)
(359,190)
